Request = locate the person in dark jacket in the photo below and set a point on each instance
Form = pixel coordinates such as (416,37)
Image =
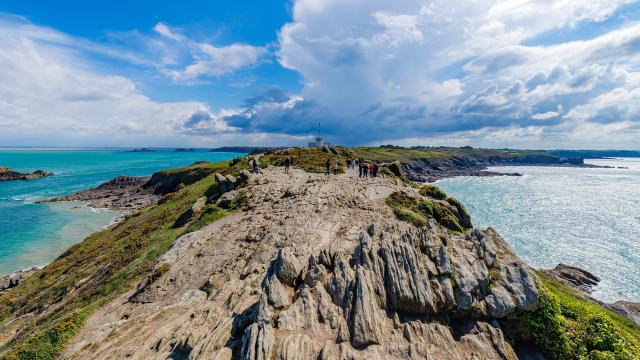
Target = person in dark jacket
(327,166)
(256,168)
(287,163)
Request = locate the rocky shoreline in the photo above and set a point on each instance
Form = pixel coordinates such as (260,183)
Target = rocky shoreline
(7,174)
(426,170)
(125,194)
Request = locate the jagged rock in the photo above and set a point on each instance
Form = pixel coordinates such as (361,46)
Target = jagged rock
(225,200)
(329,273)
(315,272)
(406,281)
(276,292)
(578,278)
(223,184)
(365,327)
(499,302)
(257,343)
(199,205)
(286,267)
(443,263)
(296,347)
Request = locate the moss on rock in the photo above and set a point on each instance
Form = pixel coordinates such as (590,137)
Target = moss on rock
(417,211)
(567,326)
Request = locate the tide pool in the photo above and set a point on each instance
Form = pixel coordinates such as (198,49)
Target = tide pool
(34,234)
(578,216)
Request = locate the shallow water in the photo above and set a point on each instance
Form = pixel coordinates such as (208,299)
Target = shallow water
(34,234)
(579,216)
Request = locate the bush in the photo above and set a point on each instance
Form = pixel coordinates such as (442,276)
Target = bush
(433,191)
(566,326)
(417,211)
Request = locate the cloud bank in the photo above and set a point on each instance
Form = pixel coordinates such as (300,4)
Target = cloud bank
(517,73)
(474,72)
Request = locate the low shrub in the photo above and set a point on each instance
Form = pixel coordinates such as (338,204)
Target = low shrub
(433,191)
(417,211)
(567,326)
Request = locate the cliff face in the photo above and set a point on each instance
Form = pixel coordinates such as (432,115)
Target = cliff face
(318,267)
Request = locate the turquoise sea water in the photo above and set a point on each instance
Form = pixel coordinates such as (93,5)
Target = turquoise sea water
(34,234)
(578,216)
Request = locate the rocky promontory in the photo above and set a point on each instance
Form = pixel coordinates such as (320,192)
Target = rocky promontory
(229,264)
(125,194)
(7,174)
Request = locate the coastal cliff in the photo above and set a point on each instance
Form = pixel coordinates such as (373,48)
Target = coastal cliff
(231,265)
(429,164)
(7,174)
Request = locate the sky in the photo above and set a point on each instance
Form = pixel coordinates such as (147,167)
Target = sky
(540,74)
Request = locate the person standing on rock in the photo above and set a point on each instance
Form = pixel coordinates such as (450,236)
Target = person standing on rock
(327,166)
(360,170)
(256,168)
(365,170)
(335,167)
(287,163)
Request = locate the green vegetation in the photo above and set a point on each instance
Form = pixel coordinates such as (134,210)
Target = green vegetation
(567,326)
(312,160)
(406,155)
(417,211)
(394,170)
(210,214)
(433,191)
(105,265)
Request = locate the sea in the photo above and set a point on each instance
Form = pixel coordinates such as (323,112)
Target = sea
(34,234)
(586,217)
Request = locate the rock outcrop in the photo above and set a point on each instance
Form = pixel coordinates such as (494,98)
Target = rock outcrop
(126,194)
(318,268)
(8,281)
(7,174)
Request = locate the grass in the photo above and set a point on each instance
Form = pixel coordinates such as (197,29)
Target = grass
(568,326)
(433,191)
(312,160)
(105,265)
(418,210)
(406,155)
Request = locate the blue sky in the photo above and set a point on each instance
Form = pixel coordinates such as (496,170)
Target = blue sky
(516,73)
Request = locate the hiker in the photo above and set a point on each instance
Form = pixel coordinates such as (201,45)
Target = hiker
(371,170)
(365,170)
(256,168)
(353,163)
(359,170)
(287,163)
(375,170)
(327,166)
(335,167)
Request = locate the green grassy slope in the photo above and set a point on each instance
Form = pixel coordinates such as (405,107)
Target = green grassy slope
(406,155)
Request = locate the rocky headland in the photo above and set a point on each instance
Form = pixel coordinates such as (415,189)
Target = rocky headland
(429,164)
(7,174)
(125,194)
(225,264)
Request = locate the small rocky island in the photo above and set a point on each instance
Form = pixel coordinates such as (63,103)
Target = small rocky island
(7,174)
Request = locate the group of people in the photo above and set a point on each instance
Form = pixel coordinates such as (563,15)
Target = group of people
(327,166)
(367,169)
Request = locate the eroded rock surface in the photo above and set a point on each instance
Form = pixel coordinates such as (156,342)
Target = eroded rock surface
(318,268)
